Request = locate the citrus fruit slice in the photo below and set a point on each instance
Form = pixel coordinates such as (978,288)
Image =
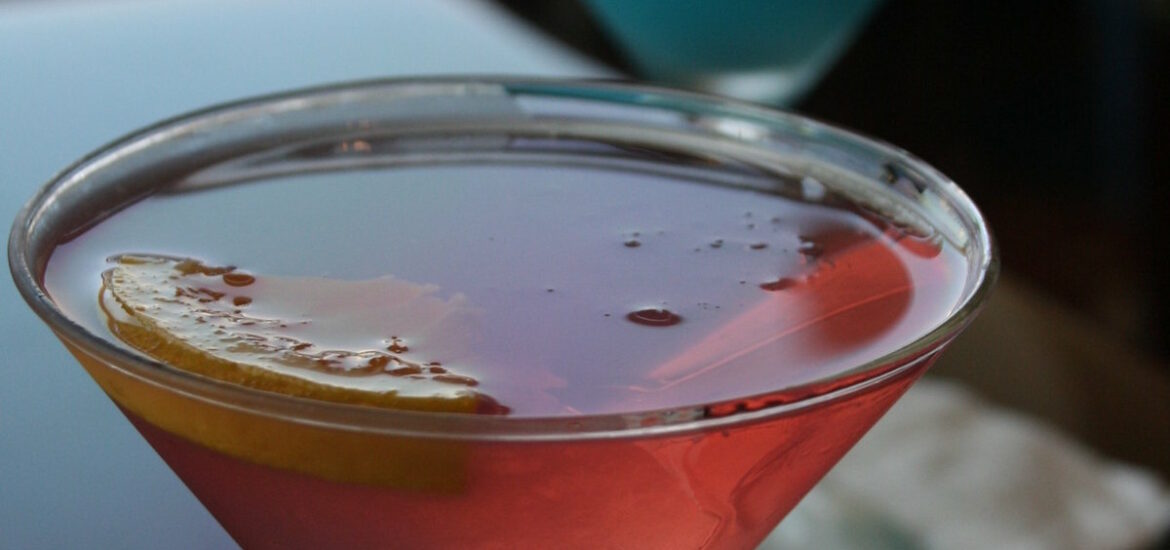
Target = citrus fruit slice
(316,338)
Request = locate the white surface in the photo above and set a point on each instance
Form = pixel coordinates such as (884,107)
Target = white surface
(945,470)
(74,75)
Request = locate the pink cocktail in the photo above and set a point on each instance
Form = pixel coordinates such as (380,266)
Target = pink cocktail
(501,313)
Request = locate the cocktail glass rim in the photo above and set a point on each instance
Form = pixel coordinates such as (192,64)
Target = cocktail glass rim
(27,267)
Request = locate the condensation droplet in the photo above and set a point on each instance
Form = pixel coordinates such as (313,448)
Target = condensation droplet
(812,189)
(889,173)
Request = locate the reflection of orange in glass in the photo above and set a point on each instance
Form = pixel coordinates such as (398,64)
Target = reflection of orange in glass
(859,290)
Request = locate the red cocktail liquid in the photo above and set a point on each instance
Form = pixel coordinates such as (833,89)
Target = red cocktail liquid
(715,489)
(554,292)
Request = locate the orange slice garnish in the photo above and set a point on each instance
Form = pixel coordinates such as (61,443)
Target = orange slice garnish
(302,337)
(295,336)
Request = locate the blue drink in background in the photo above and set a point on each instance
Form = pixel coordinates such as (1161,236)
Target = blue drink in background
(768,51)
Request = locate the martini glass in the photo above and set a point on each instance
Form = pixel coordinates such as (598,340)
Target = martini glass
(718,469)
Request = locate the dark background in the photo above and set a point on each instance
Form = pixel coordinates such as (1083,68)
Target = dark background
(1053,115)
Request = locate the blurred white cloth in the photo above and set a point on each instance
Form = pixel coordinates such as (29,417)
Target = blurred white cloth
(944,470)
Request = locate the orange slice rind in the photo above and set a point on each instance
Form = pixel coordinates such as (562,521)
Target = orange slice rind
(187,315)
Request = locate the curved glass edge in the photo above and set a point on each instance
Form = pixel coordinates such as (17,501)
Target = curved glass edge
(26,265)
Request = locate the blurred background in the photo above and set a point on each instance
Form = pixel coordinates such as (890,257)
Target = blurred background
(1053,115)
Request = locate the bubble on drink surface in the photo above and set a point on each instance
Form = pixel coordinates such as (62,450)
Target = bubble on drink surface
(654,317)
(810,248)
(782,283)
(405,370)
(456,379)
(397,345)
(238,279)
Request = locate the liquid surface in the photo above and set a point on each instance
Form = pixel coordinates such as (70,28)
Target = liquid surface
(546,290)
